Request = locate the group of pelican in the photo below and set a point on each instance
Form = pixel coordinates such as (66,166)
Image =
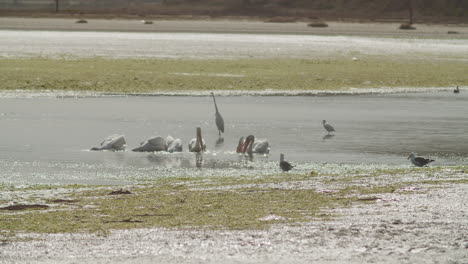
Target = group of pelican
(169,144)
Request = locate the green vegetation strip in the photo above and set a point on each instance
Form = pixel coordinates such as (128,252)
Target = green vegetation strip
(153,75)
(244,202)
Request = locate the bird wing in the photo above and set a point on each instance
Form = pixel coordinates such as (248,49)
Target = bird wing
(422,160)
(261,146)
(219,122)
(329,127)
(114,141)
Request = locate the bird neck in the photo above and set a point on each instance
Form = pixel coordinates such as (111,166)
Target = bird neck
(214,100)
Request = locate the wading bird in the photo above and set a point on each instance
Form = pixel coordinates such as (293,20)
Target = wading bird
(419,161)
(250,146)
(284,165)
(328,127)
(457,90)
(112,142)
(197,144)
(219,118)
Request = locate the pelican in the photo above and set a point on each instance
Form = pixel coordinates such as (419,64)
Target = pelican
(457,90)
(250,146)
(174,145)
(328,127)
(219,118)
(153,144)
(112,142)
(284,165)
(197,144)
(419,161)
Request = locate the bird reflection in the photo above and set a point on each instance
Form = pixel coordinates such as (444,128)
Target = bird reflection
(168,161)
(219,142)
(198,160)
(328,136)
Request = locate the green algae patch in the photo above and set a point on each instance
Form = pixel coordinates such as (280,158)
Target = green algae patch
(165,75)
(244,202)
(175,205)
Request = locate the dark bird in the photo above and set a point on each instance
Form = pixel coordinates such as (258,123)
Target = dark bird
(284,165)
(419,161)
(457,90)
(328,127)
(219,118)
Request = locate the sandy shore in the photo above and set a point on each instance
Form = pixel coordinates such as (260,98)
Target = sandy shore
(233,26)
(419,226)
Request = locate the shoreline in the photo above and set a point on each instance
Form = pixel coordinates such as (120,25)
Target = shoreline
(226,93)
(335,28)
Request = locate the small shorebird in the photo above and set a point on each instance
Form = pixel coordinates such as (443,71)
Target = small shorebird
(328,127)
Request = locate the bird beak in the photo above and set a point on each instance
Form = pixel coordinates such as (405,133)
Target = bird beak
(199,138)
(244,146)
(239,146)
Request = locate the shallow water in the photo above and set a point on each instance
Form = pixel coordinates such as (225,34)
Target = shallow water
(47,139)
(19,43)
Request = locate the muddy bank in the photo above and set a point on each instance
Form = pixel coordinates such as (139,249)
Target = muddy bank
(423,225)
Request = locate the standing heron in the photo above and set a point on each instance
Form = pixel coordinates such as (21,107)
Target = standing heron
(328,127)
(457,90)
(419,161)
(219,118)
(284,165)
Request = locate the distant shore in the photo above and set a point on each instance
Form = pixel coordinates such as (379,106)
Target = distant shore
(230,25)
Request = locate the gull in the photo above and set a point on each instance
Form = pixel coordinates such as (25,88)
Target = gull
(284,165)
(419,161)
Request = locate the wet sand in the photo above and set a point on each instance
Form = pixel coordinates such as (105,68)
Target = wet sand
(418,224)
(235,26)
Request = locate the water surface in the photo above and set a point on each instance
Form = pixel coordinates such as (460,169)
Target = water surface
(47,139)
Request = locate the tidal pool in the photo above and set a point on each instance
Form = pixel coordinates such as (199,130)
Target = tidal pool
(46,139)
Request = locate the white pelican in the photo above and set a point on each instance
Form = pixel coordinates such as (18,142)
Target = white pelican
(328,127)
(419,161)
(153,144)
(174,145)
(219,119)
(284,165)
(249,145)
(112,142)
(197,144)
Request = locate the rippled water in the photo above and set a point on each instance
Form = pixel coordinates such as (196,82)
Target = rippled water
(18,43)
(46,139)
